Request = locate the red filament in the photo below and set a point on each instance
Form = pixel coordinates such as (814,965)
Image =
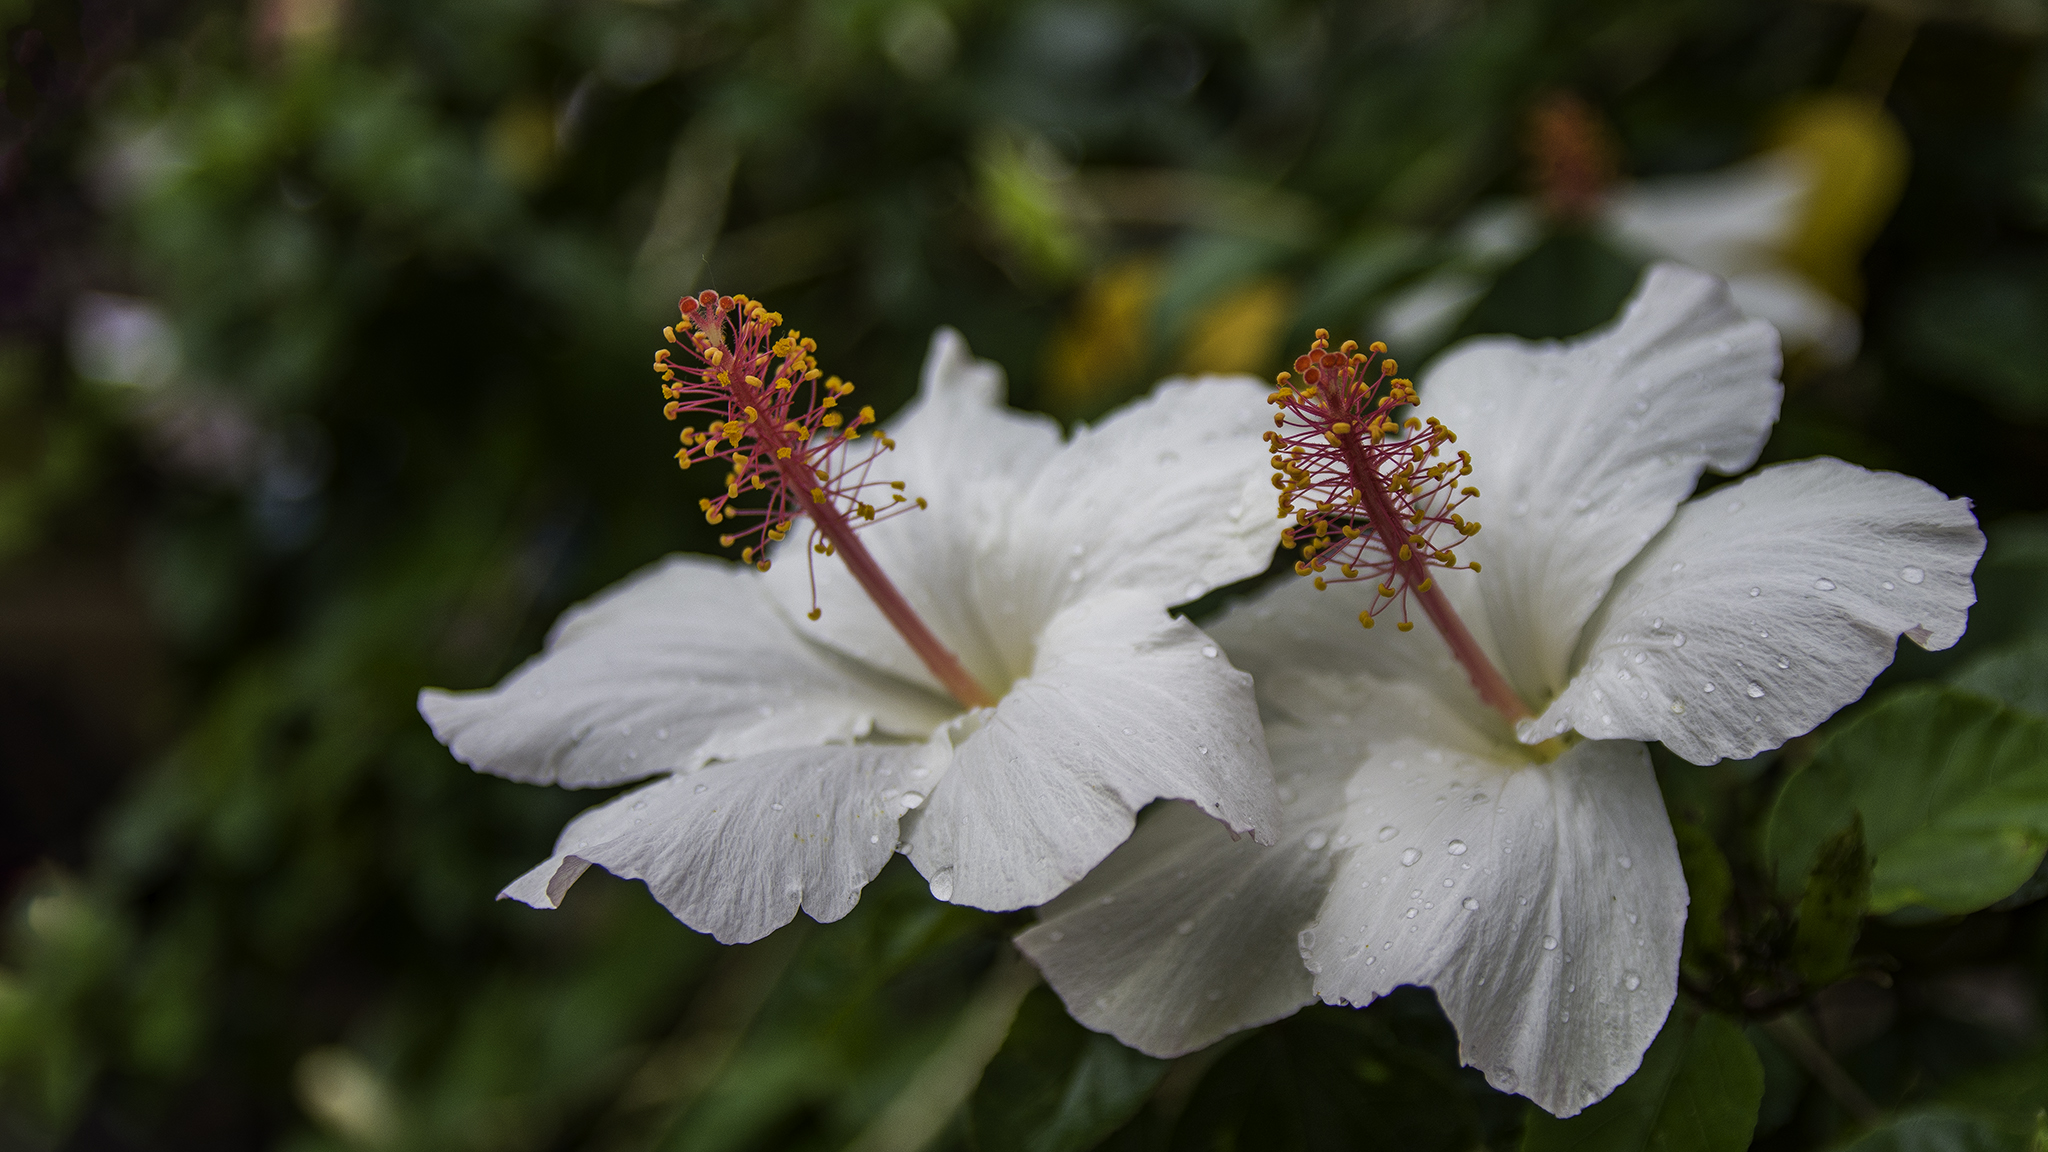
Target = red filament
(783,431)
(1374,498)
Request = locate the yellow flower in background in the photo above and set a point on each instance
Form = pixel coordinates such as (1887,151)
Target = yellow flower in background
(1108,346)
(1238,332)
(1857,159)
(1103,345)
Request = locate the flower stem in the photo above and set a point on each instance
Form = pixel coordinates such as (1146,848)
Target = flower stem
(832,521)
(1486,679)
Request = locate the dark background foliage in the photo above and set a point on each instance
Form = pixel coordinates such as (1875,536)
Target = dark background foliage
(324,330)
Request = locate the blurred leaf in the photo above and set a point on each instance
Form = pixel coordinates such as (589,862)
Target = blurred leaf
(1984,331)
(1697,1091)
(1055,1086)
(1571,283)
(2015,676)
(1329,1078)
(1953,792)
(1831,909)
(1710,883)
(1936,1131)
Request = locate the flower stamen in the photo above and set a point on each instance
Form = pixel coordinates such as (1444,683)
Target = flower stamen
(775,422)
(1376,497)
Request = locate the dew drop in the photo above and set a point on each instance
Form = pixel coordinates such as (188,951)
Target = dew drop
(639,804)
(1756,691)
(912,800)
(1640,657)
(1913,575)
(878,840)
(1678,707)
(1784,663)
(1625,862)
(776,807)
(1755,591)
(1057,935)
(942,884)
(1314,841)
(1679,566)
(1411,914)
(1824,584)
(1409,856)
(1550,943)
(701,787)
(1632,983)
(1678,639)
(1471,904)
(1184,927)
(1202,748)
(1127,731)
(1890,587)
(1371,960)
(1388,833)
(1305,941)
(661,733)
(1710,685)
(1456,848)
(1209,650)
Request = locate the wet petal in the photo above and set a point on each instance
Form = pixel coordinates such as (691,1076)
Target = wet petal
(1769,604)
(1584,450)
(680,664)
(735,848)
(1543,903)
(1123,706)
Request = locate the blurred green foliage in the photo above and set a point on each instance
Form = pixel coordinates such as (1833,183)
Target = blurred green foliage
(323,341)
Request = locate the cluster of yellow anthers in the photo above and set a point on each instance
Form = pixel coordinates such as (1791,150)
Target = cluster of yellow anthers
(1369,493)
(776,422)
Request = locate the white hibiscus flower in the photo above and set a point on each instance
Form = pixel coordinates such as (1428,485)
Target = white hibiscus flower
(1469,806)
(1019,695)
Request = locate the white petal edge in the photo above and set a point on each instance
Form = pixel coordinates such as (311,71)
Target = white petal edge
(1787,593)
(1125,705)
(736,848)
(1544,903)
(679,664)
(1584,450)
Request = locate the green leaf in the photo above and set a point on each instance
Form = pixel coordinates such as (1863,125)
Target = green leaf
(2016,676)
(1710,882)
(1697,1091)
(1570,283)
(1831,910)
(1953,790)
(1055,1086)
(1982,331)
(1937,1131)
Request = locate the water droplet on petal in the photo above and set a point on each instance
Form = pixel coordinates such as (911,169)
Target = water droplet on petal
(1209,650)
(1456,848)
(1784,663)
(1754,591)
(1127,731)
(639,804)
(942,884)
(1409,856)
(1184,927)
(878,840)
(912,800)
(1913,575)
(1824,584)
(1410,915)
(1388,833)
(1890,587)
(1550,943)
(661,733)
(776,807)
(1625,862)
(1678,707)
(1710,685)
(700,787)
(1314,841)
(1756,691)
(1632,983)
(1640,657)
(1202,748)
(1471,904)
(1678,639)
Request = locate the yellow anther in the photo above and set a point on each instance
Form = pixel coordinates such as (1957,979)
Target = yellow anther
(817,495)
(1406,554)
(1365,618)
(814,613)
(782,453)
(1321,584)
(1405,625)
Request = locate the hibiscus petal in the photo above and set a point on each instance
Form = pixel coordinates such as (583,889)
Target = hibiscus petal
(1124,705)
(682,663)
(969,457)
(1584,450)
(1170,496)
(736,848)
(1543,903)
(1769,604)
(1181,936)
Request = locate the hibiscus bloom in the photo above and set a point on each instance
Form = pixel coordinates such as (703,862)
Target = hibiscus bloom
(991,685)
(1469,805)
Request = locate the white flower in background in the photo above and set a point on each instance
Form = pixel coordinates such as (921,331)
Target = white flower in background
(1469,806)
(1019,695)
(1738,223)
